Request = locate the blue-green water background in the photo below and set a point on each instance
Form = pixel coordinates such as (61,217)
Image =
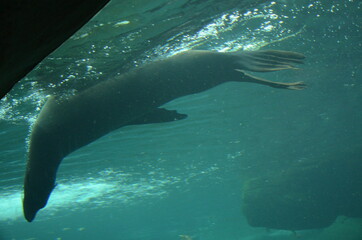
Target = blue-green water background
(161,180)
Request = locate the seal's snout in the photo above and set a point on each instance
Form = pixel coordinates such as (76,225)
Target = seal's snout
(29,209)
(33,201)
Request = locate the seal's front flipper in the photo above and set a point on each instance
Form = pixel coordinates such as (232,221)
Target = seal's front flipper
(267,60)
(159,115)
(292,86)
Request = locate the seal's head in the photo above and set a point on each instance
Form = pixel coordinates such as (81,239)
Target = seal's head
(35,197)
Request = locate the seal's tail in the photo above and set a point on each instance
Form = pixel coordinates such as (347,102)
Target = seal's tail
(292,86)
(267,60)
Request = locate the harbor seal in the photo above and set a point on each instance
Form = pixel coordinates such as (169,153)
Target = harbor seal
(65,125)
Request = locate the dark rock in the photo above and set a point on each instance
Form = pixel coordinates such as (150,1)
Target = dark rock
(31,30)
(306,196)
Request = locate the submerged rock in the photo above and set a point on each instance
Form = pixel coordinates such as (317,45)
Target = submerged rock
(306,196)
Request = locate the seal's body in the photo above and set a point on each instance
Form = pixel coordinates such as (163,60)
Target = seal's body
(65,125)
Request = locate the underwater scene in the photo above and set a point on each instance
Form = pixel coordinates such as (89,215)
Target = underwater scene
(256,135)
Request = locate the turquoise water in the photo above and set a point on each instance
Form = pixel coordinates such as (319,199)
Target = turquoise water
(160,181)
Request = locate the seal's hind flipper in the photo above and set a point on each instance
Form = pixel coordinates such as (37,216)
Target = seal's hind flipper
(159,115)
(292,86)
(267,60)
